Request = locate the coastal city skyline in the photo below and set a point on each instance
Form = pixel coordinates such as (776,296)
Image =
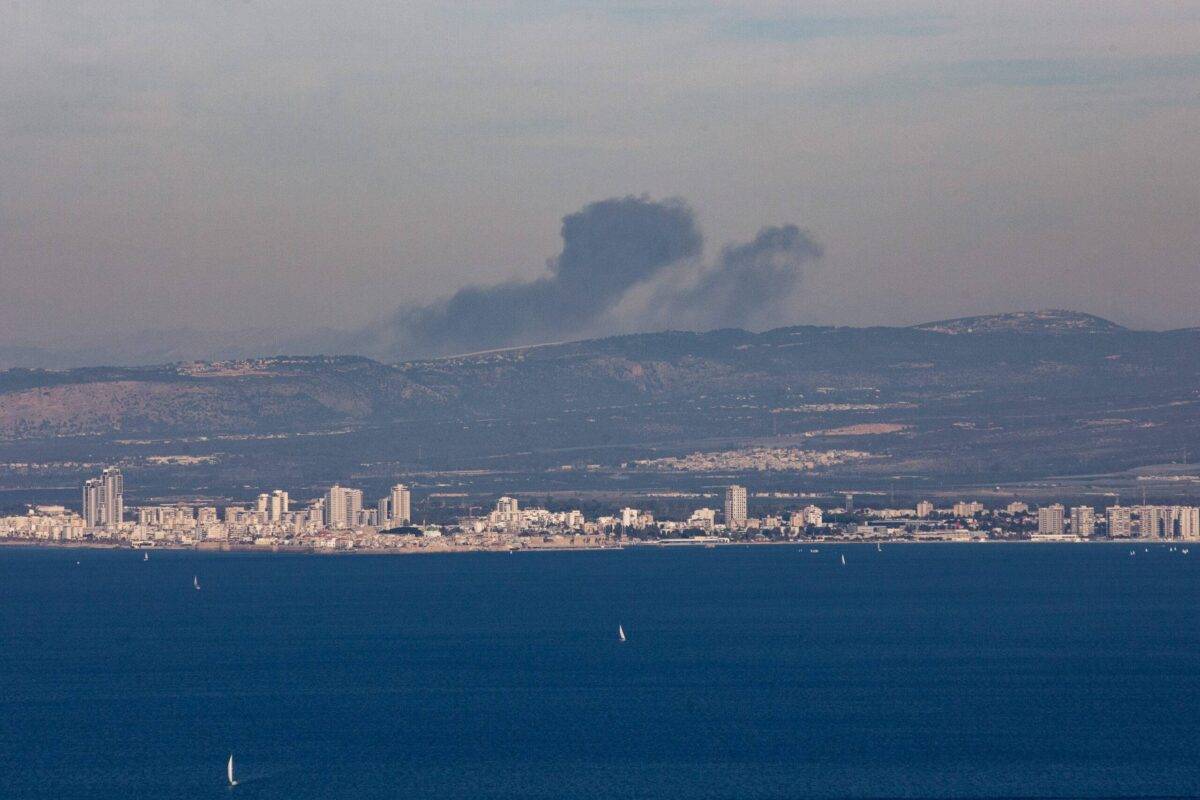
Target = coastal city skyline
(339,519)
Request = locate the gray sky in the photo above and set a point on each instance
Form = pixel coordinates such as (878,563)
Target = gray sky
(248,164)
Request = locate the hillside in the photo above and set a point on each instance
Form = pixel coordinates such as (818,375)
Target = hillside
(1046,321)
(1024,394)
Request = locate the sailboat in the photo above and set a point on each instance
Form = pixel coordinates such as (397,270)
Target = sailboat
(620,633)
(196,583)
(145,556)
(229,772)
(843,559)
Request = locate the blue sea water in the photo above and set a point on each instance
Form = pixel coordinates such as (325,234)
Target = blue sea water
(978,671)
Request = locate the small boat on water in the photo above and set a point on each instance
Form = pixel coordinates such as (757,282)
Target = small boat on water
(229,772)
(620,633)
(145,556)
(195,583)
(843,559)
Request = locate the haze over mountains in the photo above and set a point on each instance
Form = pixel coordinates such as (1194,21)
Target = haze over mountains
(151,347)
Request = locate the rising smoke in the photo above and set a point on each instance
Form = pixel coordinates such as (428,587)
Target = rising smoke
(614,252)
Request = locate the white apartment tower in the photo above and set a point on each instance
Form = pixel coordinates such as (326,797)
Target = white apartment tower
(112,498)
(400,505)
(1083,521)
(93,494)
(1187,518)
(1120,522)
(280,505)
(1154,522)
(342,507)
(735,506)
(967,509)
(1050,520)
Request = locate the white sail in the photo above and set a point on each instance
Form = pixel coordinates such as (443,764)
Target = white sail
(196,582)
(620,634)
(843,560)
(229,771)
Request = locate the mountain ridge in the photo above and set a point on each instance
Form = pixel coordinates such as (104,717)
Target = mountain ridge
(1052,320)
(153,348)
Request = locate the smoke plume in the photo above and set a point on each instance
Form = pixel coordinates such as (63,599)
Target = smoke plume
(626,263)
(750,283)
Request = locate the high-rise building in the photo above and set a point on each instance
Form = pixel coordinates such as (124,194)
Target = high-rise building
(280,504)
(1083,521)
(1187,522)
(1017,507)
(1050,520)
(264,504)
(93,500)
(1154,522)
(342,507)
(383,511)
(735,506)
(967,509)
(400,505)
(113,498)
(924,509)
(1120,522)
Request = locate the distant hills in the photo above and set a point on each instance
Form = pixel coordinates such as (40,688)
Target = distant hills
(1024,393)
(1047,321)
(169,346)
(184,344)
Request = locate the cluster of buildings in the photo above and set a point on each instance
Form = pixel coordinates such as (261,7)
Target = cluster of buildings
(103,517)
(340,519)
(104,500)
(762,459)
(1121,522)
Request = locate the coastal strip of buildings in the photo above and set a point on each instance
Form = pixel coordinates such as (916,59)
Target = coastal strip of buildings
(340,520)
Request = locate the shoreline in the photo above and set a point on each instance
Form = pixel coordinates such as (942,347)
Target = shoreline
(36,544)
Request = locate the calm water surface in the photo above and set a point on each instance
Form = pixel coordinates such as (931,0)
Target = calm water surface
(978,671)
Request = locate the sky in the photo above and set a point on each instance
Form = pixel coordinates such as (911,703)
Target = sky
(368,166)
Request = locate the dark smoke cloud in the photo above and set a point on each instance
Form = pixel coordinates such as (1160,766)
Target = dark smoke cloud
(749,283)
(611,249)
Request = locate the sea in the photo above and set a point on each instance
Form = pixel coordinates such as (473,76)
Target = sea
(931,670)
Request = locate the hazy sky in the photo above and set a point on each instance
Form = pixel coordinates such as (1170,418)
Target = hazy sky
(244,163)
